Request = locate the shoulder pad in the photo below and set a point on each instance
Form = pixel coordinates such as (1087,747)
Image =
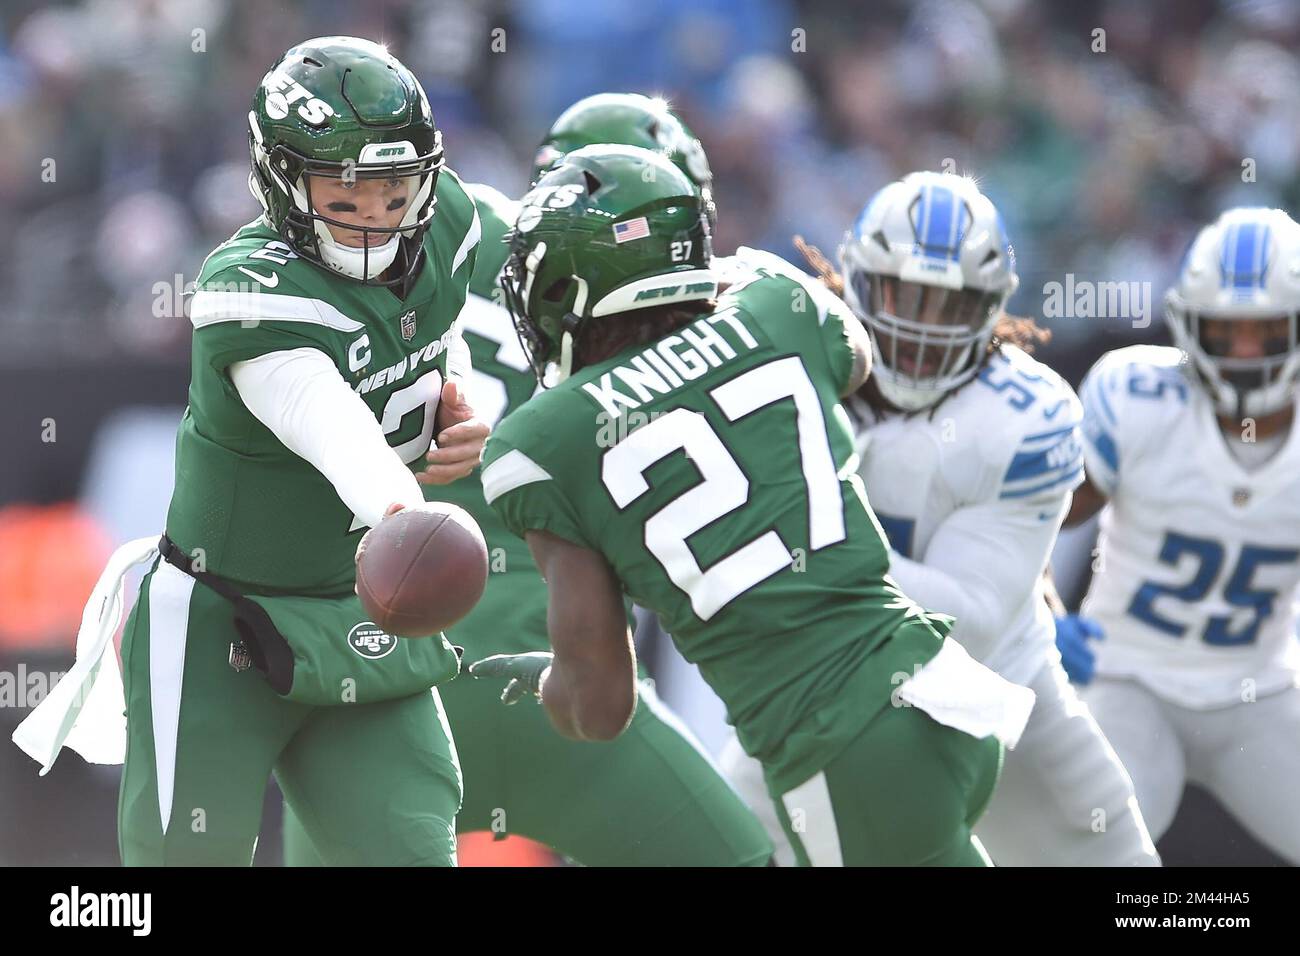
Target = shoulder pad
(1128,394)
(456,217)
(492,202)
(742,269)
(258,277)
(1032,441)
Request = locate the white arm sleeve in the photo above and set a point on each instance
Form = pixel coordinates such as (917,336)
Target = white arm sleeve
(982,564)
(301,397)
(459,364)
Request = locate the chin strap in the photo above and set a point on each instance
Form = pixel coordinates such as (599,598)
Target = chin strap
(566,356)
(570,324)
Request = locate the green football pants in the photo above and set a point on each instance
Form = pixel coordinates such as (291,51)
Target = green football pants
(649,798)
(905,792)
(371,783)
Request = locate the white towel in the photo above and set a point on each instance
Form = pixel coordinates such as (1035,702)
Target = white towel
(958,691)
(86,710)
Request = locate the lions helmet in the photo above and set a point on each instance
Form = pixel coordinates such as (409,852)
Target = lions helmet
(928,268)
(1233,310)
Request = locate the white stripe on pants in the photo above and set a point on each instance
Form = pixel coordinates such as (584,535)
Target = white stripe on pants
(169,618)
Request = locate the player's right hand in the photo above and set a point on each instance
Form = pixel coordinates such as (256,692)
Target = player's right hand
(391,510)
(1072,636)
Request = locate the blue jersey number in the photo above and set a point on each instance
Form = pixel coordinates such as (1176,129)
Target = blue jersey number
(1022,388)
(1010,380)
(1154,387)
(1237,592)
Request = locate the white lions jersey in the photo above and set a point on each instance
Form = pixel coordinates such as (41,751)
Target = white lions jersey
(1199,559)
(1000,458)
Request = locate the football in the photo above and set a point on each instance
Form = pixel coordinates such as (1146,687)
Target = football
(422,569)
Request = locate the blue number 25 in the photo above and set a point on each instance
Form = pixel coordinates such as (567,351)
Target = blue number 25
(1236,592)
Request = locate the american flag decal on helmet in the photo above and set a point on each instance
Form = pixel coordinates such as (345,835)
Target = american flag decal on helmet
(636,228)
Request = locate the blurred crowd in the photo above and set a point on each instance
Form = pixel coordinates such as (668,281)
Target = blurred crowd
(1106,131)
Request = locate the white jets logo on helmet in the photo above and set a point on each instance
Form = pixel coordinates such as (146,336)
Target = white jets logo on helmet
(282,91)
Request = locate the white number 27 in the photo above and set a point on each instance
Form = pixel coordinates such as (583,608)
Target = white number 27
(724,487)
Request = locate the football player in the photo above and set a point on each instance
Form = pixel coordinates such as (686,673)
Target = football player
(1193,459)
(324,358)
(694,457)
(652,797)
(970,449)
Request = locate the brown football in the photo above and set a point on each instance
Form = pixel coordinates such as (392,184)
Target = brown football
(422,569)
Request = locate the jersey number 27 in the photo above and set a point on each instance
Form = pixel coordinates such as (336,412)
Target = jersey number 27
(724,488)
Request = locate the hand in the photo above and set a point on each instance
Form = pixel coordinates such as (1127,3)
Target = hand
(391,510)
(526,672)
(1072,636)
(459,441)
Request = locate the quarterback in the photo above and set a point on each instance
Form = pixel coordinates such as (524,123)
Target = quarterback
(1193,458)
(324,369)
(722,499)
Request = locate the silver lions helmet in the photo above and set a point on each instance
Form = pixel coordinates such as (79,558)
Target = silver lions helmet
(1233,310)
(927,266)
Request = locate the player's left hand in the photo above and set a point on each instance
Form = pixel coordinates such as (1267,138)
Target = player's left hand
(1072,635)
(460,439)
(524,670)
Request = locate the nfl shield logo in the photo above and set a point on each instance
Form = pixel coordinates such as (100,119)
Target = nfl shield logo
(408,325)
(240,659)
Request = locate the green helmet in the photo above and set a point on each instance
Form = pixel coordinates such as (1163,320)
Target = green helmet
(630,119)
(608,230)
(343,108)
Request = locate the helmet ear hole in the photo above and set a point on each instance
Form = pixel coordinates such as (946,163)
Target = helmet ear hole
(593,184)
(556,291)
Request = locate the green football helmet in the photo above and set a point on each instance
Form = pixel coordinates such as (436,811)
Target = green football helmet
(629,119)
(610,229)
(342,108)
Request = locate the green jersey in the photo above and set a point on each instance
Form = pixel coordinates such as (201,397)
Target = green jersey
(511,617)
(263,517)
(714,470)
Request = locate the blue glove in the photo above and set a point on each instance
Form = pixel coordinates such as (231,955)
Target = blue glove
(1072,636)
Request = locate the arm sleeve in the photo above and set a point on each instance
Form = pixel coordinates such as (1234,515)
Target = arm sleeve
(459,362)
(301,397)
(982,564)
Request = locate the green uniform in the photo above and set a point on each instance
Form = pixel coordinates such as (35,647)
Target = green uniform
(714,471)
(652,797)
(374,783)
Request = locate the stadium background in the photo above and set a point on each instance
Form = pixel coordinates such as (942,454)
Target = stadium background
(124,162)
